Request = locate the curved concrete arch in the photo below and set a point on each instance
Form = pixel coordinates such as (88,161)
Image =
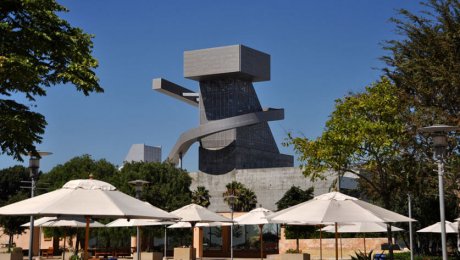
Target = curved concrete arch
(193,135)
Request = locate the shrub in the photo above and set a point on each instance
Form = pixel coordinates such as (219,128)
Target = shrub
(293,251)
(362,256)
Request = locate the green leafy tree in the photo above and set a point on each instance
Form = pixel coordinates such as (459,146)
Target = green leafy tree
(362,136)
(294,196)
(425,62)
(10,182)
(201,196)
(12,224)
(168,189)
(367,135)
(10,192)
(80,167)
(38,49)
(165,179)
(243,198)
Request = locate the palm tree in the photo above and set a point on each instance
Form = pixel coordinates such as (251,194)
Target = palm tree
(201,196)
(243,198)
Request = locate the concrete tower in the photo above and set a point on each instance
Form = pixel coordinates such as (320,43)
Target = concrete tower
(233,131)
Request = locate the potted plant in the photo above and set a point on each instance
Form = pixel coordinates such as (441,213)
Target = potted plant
(15,254)
(295,254)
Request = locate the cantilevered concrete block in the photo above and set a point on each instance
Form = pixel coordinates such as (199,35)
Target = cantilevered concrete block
(175,91)
(236,61)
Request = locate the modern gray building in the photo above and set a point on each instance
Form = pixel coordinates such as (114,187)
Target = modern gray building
(143,153)
(233,131)
(236,143)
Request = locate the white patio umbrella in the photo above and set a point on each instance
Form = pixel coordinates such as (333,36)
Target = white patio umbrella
(436,228)
(257,217)
(336,207)
(89,198)
(361,227)
(68,221)
(181,224)
(123,222)
(39,221)
(194,214)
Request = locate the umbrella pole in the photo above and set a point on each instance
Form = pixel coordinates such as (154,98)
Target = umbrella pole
(40,241)
(85,257)
(261,241)
(320,244)
(138,243)
(63,252)
(336,243)
(193,235)
(364,245)
(341,248)
(164,244)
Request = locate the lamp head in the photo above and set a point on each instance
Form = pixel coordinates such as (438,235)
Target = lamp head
(34,162)
(138,185)
(439,135)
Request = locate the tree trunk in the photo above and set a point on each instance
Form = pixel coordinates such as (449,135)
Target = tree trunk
(390,242)
(55,244)
(10,242)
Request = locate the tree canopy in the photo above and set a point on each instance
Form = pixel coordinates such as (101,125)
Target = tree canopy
(243,198)
(425,62)
(294,196)
(364,135)
(201,196)
(291,197)
(168,188)
(11,180)
(38,49)
(79,167)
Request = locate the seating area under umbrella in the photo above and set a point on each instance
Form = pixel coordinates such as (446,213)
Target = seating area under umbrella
(123,222)
(336,207)
(67,221)
(361,227)
(257,217)
(194,214)
(88,198)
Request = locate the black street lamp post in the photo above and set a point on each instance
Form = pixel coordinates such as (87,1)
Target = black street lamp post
(34,166)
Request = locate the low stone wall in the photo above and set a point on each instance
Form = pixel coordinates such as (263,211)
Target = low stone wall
(347,246)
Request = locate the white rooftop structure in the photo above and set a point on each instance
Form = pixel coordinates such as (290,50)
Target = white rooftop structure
(143,153)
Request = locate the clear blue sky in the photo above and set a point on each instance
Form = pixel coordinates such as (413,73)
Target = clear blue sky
(320,51)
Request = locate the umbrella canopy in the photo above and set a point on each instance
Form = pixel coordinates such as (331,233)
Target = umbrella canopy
(39,221)
(336,207)
(208,224)
(436,228)
(123,222)
(89,198)
(361,227)
(256,216)
(195,213)
(86,198)
(63,222)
